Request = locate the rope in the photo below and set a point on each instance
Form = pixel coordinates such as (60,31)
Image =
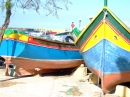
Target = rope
(102,62)
(105,14)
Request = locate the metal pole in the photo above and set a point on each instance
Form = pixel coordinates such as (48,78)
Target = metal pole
(105,2)
(79,22)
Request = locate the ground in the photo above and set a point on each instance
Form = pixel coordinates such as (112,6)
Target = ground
(50,85)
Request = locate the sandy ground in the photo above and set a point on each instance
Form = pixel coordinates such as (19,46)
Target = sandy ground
(48,86)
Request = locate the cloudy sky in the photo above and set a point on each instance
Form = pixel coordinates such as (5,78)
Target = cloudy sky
(80,9)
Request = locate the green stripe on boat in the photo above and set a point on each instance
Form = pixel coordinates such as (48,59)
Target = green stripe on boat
(112,18)
(7,32)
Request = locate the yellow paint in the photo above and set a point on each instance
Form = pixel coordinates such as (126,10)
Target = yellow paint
(104,31)
(81,33)
(94,38)
(116,38)
(23,38)
(4,36)
(105,7)
(15,36)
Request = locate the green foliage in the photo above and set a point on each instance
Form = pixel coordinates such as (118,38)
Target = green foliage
(44,7)
(9,4)
(49,6)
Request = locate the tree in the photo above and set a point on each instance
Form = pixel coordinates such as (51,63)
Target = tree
(50,6)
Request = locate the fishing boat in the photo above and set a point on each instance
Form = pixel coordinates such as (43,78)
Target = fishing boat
(28,55)
(63,37)
(105,46)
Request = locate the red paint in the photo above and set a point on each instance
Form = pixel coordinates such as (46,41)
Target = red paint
(23,68)
(31,40)
(72,25)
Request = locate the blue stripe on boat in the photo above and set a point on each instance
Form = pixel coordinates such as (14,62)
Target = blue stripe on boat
(25,50)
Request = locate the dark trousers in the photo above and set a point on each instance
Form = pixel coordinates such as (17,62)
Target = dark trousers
(69,37)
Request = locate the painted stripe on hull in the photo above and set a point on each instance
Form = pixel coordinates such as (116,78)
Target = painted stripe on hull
(96,20)
(105,30)
(45,64)
(48,53)
(110,81)
(30,51)
(27,67)
(9,48)
(107,58)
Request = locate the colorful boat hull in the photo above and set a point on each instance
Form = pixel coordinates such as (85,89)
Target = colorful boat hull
(111,64)
(105,47)
(30,55)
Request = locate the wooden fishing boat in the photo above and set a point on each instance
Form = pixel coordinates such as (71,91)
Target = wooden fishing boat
(105,46)
(27,55)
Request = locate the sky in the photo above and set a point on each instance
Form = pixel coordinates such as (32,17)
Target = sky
(79,9)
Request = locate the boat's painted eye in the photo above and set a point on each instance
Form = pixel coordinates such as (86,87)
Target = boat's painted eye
(95,37)
(115,38)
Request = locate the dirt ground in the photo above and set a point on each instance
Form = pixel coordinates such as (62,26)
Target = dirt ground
(48,86)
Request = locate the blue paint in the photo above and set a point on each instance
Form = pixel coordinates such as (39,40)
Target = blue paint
(30,51)
(11,48)
(115,59)
(39,52)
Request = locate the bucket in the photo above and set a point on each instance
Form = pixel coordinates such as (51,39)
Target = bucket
(11,70)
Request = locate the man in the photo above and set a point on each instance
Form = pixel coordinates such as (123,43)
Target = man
(69,37)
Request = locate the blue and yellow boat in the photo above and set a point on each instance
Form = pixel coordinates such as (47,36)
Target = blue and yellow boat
(27,55)
(105,46)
